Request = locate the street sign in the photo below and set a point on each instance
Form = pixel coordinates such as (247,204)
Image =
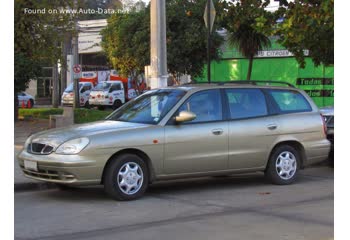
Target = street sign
(77,71)
(212,15)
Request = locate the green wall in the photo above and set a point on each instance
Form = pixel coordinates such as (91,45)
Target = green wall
(316,81)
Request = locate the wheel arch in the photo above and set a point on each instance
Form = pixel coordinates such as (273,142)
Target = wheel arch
(296,145)
(137,152)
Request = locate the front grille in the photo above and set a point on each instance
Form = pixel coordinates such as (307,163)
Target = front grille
(39,148)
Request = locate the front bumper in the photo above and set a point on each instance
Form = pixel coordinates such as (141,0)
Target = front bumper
(64,169)
(100,102)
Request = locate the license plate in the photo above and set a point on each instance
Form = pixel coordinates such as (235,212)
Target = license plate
(31,165)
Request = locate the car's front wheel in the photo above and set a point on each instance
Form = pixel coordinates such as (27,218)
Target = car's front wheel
(283,165)
(126,177)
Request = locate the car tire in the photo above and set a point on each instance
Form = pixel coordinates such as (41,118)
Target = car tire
(87,105)
(126,177)
(283,165)
(116,104)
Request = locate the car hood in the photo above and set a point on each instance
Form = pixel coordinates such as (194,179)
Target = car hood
(56,137)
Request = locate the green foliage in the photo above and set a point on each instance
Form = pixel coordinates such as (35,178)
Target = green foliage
(41,113)
(82,115)
(126,40)
(245,24)
(309,25)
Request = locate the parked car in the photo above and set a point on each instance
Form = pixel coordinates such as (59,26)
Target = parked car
(179,132)
(84,94)
(25,99)
(108,94)
(328,113)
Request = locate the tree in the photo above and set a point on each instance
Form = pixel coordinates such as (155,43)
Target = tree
(242,18)
(126,39)
(36,39)
(308,25)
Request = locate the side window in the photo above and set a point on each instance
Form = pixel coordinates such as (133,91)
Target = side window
(290,101)
(205,104)
(118,87)
(246,103)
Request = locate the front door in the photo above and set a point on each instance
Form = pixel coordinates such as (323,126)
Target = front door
(200,145)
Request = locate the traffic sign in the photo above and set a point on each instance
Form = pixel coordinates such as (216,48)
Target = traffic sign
(211,16)
(77,71)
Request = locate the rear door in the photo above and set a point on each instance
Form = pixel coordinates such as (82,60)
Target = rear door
(200,145)
(252,130)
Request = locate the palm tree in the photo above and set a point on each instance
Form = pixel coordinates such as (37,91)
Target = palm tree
(248,42)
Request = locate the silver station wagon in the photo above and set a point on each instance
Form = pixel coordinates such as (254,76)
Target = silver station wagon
(187,131)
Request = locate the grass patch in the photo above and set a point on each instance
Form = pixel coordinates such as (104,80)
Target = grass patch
(41,113)
(83,115)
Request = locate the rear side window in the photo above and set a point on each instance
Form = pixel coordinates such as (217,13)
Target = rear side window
(290,101)
(246,103)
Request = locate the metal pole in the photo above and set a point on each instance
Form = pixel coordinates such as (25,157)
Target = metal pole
(76,59)
(208,49)
(159,71)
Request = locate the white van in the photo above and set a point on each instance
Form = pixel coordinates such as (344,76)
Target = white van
(108,93)
(84,93)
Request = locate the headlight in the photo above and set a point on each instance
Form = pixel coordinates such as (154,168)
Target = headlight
(27,142)
(73,146)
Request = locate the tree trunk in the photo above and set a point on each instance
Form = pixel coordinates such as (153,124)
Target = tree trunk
(250,67)
(16,107)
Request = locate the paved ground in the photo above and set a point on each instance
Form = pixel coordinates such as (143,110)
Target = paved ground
(241,207)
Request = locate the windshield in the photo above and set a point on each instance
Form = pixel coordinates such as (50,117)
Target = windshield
(149,108)
(70,87)
(102,86)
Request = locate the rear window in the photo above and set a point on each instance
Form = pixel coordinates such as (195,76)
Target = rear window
(290,101)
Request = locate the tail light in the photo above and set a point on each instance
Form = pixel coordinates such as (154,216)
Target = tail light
(324,125)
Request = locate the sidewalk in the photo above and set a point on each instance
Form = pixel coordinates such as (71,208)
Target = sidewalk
(23,129)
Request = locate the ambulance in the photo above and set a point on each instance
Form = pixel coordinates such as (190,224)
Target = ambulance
(107,94)
(86,84)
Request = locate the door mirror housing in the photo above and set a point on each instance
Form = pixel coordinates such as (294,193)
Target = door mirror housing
(185,116)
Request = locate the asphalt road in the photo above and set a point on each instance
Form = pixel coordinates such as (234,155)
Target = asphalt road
(241,207)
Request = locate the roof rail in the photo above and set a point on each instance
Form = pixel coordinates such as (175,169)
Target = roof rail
(267,82)
(252,82)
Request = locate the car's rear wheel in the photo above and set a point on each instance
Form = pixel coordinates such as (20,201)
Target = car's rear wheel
(283,165)
(126,177)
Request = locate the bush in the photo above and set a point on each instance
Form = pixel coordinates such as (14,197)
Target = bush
(82,115)
(41,113)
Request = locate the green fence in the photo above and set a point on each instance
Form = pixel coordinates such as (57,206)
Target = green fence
(318,82)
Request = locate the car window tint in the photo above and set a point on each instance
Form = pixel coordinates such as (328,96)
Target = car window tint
(205,104)
(290,101)
(246,103)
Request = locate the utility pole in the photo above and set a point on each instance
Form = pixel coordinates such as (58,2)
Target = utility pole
(76,57)
(55,86)
(208,45)
(159,71)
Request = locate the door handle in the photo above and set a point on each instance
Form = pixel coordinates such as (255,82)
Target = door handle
(272,126)
(218,131)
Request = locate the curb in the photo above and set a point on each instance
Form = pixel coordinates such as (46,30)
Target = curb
(33,186)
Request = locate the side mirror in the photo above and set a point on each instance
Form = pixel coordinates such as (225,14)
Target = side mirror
(185,116)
